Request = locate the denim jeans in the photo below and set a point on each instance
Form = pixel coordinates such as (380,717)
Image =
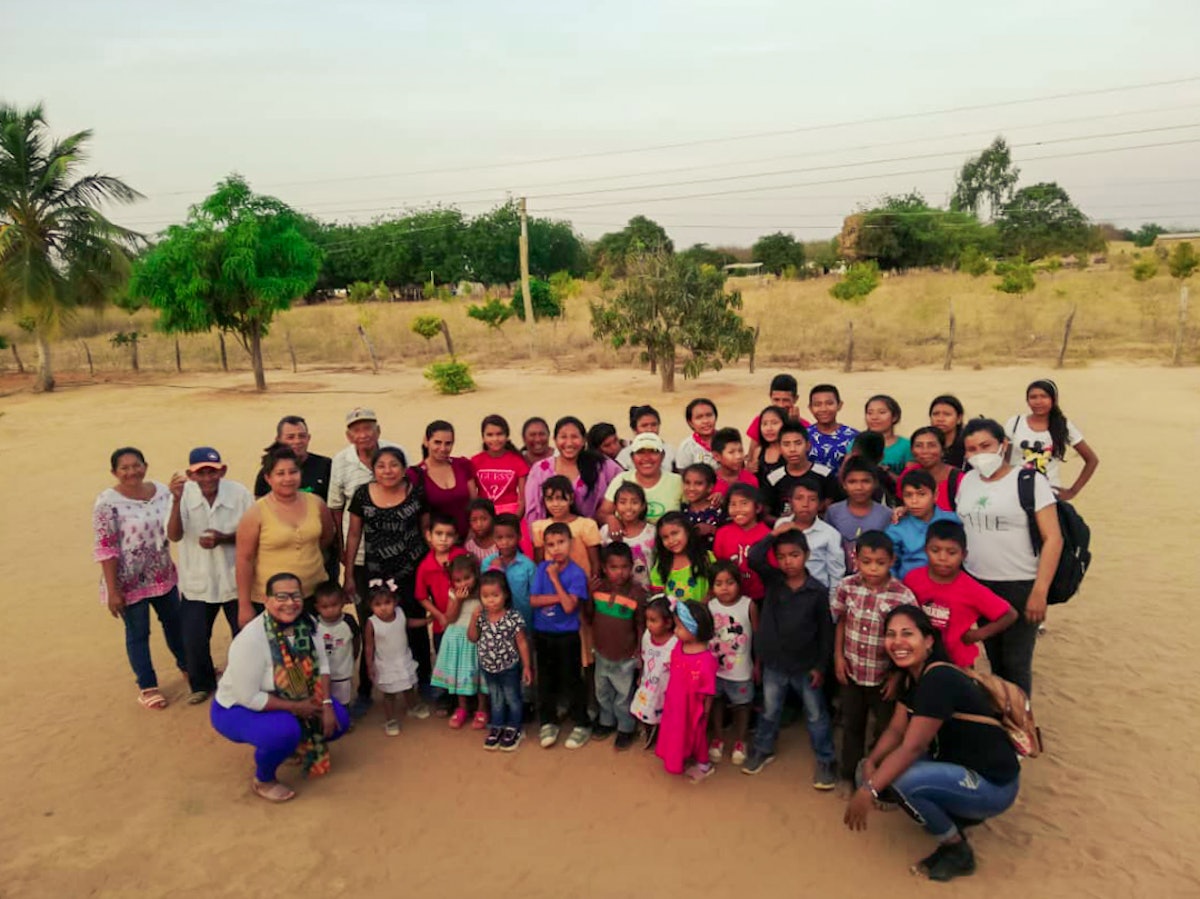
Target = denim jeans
(504,691)
(614,689)
(274,735)
(137,635)
(196,624)
(775,689)
(1010,652)
(933,792)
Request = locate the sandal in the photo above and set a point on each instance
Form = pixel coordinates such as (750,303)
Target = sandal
(458,719)
(480,721)
(152,699)
(272,792)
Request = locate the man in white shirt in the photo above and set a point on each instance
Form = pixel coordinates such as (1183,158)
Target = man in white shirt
(203,520)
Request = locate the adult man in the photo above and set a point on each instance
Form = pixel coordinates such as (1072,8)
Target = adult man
(292,431)
(203,520)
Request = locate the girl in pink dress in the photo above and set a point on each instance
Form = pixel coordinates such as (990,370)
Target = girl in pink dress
(682,735)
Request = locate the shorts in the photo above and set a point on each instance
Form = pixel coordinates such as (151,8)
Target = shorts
(735,692)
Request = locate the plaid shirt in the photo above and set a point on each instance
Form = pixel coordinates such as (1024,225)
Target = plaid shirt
(864,610)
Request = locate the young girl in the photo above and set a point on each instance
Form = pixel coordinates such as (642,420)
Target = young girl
(765,456)
(745,528)
(390,663)
(481,519)
(629,507)
(882,414)
(683,733)
(735,619)
(559,500)
(658,642)
(701,417)
(1040,440)
(946,414)
(500,469)
(701,511)
(645,419)
(499,634)
(457,667)
(682,566)
(602,438)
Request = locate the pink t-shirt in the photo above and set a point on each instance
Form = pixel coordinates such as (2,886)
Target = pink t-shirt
(954,608)
(733,543)
(497,477)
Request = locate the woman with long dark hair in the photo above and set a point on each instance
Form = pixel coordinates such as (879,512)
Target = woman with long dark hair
(588,471)
(1040,439)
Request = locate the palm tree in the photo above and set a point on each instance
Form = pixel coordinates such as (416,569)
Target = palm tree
(58,252)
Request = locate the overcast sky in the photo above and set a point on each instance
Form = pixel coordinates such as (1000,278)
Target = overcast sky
(786,115)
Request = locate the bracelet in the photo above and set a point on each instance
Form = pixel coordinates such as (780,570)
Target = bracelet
(326,702)
(870,788)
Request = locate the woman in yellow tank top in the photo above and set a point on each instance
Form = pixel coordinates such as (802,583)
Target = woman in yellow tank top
(285,531)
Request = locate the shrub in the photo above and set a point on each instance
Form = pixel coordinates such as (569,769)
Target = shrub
(494,313)
(1015,277)
(860,279)
(427,326)
(973,261)
(451,377)
(545,303)
(1145,269)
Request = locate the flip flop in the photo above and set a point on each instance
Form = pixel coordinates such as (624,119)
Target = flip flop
(152,699)
(272,792)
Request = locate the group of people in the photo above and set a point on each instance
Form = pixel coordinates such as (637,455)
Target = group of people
(621,586)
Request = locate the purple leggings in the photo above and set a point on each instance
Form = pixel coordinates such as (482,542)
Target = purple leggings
(274,735)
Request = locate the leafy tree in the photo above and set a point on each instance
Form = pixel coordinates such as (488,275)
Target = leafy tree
(1145,269)
(823,254)
(58,252)
(973,261)
(1041,219)
(906,232)
(451,377)
(860,279)
(494,313)
(641,235)
(1145,235)
(427,326)
(990,176)
(1183,261)
(545,303)
(238,261)
(778,251)
(670,305)
(1016,277)
(703,254)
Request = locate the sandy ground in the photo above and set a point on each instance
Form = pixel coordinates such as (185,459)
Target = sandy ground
(105,799)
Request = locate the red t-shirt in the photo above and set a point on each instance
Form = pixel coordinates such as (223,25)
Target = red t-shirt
(732,542)
(942,499)
(433,582)
(497,477)
(744,477)
(954,608)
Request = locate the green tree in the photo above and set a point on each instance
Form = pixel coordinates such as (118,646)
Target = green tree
(545,303)
(906,232)
(1041,219)
(974,262)
(703,254)
(58,251)
(238,261)
(1183,261)
(1016,277)
(670,305)
(1145,269)
(860,279)
(778,251)
(641,235)
(990,176)
(1146,235)
(494,313)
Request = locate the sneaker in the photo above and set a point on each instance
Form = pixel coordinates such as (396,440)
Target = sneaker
(650,736)
(757,761)
(738,756)
(391,727)
(458,719)
(510,738)
(579,737)
(420,710)
(825,776)
(197,696)
(548,735)
(716,751)
(492,740)
(697,773)
(360,706)
(925,865)
(957,861)
(602,732)
(623,741)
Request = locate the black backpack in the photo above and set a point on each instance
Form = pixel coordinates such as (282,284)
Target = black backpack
(1077,537)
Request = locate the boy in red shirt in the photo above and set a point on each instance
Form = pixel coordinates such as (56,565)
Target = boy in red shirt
(733,541)
(731,461)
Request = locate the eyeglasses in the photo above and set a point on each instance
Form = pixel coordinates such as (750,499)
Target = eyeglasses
(288,597)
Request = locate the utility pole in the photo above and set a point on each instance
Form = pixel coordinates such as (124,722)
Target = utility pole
(526,295)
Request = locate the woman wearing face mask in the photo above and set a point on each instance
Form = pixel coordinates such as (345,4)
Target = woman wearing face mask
(1000,552)
(1040,439)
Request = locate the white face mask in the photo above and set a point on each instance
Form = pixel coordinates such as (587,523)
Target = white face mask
(987,464)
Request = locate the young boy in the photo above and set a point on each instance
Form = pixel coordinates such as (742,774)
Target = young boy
(783,392)
(558,590)
(826,557)
(793,646)
(731,461)
(955,601)
(699,480)
(339,633)
(617,614)
(858,512)
(793,449)
(733,540)
(859,605)
(919,491)
(518,568)
(432,591)
(829,438)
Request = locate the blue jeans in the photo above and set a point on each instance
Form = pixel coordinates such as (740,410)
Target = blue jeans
(137,635)
(504,691)
(274,735)
(614,689)
(933,792)
(775,689)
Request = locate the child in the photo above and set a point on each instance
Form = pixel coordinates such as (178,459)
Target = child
(882,414)
(629,508)
(683,732)
(735,619)
(457,668)
(764,456)
(559,587)
(499,636)
(783,394)
(681,563)
(826,557)
(701,417)
(602,438)
(920,510)
(340,635)
(617,614)
(869,446)
(642,420)
(481,519)
(390,663)
(793,646)
(858,512)
(954,601)
(518,568)
(731,459)
(432,589)
(500,469)
(559,499)
(777,484)
(699,481)
(658,642)
(859,606)
(733,540)
(829,439)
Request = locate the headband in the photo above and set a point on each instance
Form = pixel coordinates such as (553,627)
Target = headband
(685,617)
(1047,385)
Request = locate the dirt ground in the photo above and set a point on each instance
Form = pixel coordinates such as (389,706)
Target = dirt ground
(105,799)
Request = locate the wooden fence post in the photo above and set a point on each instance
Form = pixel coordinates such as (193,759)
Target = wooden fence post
(849,347)
(362,332)
(950,340)
(1177,355)
(1062,353)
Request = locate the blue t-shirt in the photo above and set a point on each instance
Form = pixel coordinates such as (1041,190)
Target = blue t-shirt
(829,449)
(520,574)
(909,536)
(555,619)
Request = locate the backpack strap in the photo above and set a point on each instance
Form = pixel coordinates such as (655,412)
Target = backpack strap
(1011,427)
(1025,493)
(965,716)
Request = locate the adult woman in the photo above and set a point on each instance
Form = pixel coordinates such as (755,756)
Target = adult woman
(1000,553)
(274,694)
(946,414)
(1040,439)
(286,530)
(664,489)
(589,471)
(447,480)
(928,453)
(947,771)
(131,547)
(643,419)
(535,434)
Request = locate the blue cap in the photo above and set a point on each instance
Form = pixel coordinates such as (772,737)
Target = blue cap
(204,457)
